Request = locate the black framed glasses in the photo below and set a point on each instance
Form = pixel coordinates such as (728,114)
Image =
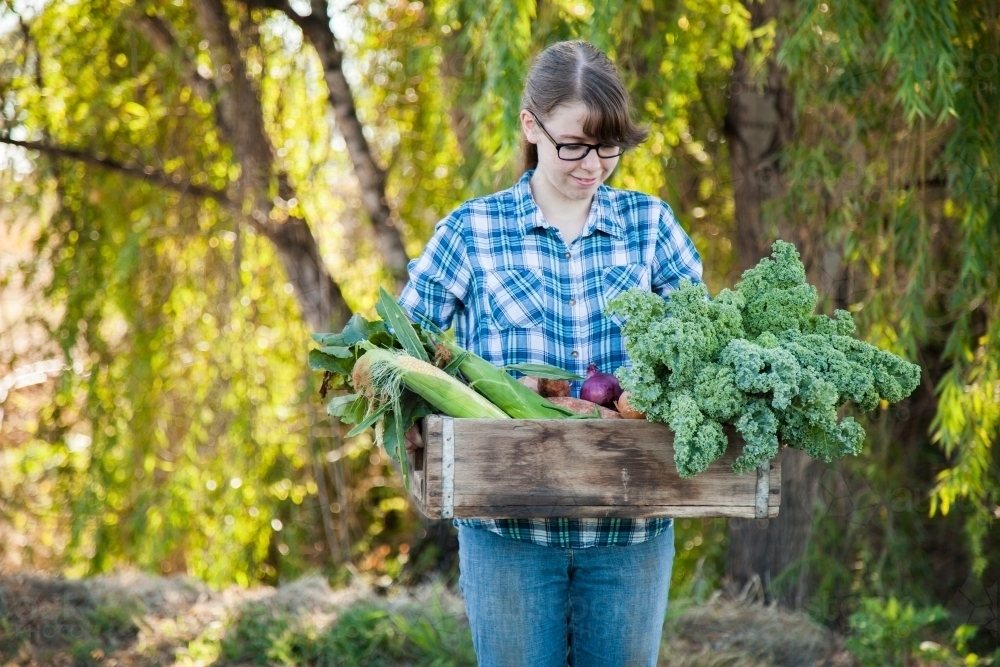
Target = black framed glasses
(574,152)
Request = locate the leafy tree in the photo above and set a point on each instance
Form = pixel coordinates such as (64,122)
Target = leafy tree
(190,161)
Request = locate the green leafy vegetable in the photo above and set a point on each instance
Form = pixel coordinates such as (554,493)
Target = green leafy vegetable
(543,371)
(391,312)
(756,357)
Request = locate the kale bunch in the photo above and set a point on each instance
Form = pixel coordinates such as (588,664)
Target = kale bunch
(755,357)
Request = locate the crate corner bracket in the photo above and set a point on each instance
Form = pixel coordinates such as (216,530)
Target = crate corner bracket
(763,490)
(447,467)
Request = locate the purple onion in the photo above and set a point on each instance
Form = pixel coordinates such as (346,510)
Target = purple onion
(600,388)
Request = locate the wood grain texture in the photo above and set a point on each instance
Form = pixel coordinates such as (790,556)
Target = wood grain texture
(592,511)
(581,468)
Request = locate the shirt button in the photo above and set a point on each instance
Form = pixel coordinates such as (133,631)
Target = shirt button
(572,302)
(567,255)
(574,354)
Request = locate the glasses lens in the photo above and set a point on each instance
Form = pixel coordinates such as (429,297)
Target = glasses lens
(610,151)
(572,151)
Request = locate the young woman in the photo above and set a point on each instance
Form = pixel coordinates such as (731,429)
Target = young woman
(524,276)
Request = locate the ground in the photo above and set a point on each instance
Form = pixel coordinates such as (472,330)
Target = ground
(137,619)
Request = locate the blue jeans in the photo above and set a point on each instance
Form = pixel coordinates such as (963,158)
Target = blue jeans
(536,606)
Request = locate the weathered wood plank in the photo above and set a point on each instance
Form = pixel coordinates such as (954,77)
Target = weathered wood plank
(596,462)
(580,468)
(583,511)
(431,431)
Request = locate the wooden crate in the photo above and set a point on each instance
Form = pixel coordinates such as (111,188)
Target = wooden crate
(498,468)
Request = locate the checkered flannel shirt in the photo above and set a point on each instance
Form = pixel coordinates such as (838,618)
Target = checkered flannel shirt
(516,293)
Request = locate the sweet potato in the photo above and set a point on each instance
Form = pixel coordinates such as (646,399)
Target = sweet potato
(582,407)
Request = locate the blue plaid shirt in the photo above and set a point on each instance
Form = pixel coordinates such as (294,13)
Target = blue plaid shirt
(515,292)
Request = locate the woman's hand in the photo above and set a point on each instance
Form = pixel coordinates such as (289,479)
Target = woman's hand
(414,440)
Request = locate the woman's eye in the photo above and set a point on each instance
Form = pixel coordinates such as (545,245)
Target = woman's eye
(570,150)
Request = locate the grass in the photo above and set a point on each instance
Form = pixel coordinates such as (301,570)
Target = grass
(134,619)
(365,634)
(46,617)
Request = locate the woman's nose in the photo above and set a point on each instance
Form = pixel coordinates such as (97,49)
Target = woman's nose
(591,162)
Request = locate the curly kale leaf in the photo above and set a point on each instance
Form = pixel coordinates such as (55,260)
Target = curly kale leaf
(777,297)
(758,358)
(759,428)
(697,440)
(763,367)
(716,393)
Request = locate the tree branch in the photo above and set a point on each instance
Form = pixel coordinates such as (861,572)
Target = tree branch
(371,177)
(161,37)
(145,173)
(241,117)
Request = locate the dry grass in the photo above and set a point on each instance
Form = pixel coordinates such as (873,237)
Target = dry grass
(137,619)
(732,633)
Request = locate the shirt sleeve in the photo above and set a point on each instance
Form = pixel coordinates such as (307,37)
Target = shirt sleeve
(675,257)
(439,278)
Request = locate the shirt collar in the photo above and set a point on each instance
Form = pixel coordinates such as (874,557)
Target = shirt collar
(529,216)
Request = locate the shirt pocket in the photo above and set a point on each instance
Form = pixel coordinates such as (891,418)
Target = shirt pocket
(619,279)
(515,298)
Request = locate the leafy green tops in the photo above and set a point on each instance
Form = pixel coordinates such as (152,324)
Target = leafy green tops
(755,357)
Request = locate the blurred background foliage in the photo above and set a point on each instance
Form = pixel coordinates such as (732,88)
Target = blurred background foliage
(177,426)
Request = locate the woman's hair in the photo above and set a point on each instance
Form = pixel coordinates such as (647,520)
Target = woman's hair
(577,71)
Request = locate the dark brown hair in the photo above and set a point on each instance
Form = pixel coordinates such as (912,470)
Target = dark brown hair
(577,71)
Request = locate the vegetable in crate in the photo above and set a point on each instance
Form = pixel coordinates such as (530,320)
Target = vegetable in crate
(386,366)
(756,357)
(601,388)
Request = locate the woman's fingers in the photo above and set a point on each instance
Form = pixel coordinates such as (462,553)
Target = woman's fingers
(413,439)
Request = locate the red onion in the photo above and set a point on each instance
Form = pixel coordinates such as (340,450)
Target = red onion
(600,388)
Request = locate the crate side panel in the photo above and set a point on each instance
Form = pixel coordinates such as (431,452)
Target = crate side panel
(588,463)
(591,511)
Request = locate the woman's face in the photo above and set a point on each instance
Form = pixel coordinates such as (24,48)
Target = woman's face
(572,179)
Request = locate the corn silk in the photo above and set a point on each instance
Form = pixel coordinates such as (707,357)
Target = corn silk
(756,357)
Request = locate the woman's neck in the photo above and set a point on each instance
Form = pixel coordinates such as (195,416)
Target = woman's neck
(567,215)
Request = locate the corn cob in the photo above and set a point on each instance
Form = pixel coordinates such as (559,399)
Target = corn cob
(496,384)
(378,373)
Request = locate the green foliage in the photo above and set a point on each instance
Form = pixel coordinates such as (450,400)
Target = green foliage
(57,619)
(164,299)
(699,561)
(756,357)
(364,634)
(891,172)
(888,633)
(896,164)
(182,436)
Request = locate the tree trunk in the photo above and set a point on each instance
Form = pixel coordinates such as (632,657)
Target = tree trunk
(241,119)
(761,550)
(759,122)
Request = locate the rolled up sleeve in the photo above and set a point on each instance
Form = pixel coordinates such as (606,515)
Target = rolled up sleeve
(438,279)
(675,257)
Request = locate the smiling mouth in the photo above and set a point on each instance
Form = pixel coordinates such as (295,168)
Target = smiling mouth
(586,181)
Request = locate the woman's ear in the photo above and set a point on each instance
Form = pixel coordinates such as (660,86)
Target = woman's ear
(529,126)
